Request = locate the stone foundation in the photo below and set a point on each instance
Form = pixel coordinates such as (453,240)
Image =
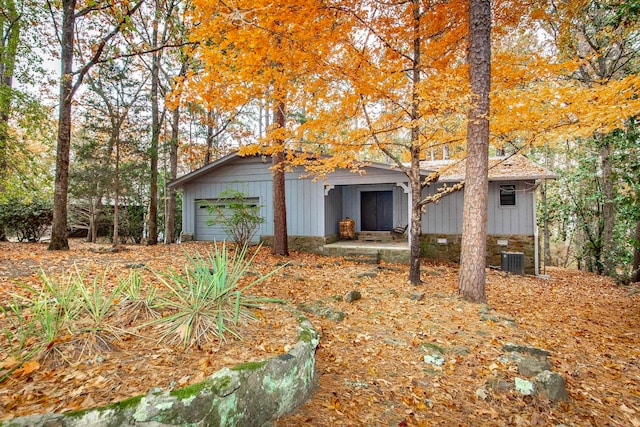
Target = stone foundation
(186,237)
(446,247)
(303,243)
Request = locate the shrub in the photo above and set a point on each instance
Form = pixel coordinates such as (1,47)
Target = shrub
(238,216)
(207,299)
(134,304)
(27,220)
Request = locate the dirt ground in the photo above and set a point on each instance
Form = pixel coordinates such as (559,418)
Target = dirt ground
(370,366)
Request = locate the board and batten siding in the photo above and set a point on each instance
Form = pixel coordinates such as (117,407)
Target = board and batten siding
(445,216)
(252,176)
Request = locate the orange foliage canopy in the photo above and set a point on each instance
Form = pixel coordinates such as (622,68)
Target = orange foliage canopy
(344,69)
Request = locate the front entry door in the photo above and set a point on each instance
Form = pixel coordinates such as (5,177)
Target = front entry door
(376,210)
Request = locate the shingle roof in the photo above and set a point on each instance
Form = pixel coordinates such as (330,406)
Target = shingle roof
(511,168)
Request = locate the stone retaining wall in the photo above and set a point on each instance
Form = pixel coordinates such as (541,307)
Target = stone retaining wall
(251,394)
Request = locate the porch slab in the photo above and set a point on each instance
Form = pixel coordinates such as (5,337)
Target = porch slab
(393,252)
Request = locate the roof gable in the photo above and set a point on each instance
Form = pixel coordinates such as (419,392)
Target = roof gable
(235,156)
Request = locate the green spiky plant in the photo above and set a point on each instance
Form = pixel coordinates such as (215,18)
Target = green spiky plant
(54,307)
(135,305)
(97,302)
(17,330)
(207,299)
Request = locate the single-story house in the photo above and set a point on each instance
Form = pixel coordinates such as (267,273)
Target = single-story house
(378,199)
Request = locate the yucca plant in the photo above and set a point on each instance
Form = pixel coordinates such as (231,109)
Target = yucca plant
(135,304)
(206,298)
(17,330)
(61,295)
(53,308)
(97,302)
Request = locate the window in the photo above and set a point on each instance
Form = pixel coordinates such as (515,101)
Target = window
(508,195)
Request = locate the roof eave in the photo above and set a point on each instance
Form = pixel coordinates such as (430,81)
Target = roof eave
(180,182)
(503,178)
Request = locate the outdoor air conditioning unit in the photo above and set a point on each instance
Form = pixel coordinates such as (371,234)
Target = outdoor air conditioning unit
(513,262)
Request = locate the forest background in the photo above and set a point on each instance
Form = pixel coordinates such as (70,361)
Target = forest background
(153,89)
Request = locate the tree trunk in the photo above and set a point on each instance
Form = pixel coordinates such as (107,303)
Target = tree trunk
(414,172)
(116,190)
(208,158)
(635,275)
(59,232)
(474,227)
(280,237)
(10,27)
(152,219)
(545,225)
(170,215)
(94,215)
(608,211)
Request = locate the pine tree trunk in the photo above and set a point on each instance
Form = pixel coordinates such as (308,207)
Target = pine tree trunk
(280,237)
(474,227)
(59,232)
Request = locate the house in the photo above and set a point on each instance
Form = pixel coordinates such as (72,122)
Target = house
(378,199)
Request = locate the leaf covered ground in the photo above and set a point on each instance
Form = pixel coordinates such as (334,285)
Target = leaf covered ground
(370,365)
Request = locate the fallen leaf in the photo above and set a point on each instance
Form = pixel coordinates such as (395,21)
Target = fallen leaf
(27,368)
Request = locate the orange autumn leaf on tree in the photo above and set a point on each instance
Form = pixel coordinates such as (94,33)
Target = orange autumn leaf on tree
(366,81)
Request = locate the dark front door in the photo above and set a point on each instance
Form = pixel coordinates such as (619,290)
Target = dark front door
(376,210)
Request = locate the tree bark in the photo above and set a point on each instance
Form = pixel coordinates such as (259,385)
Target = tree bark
(635,275)
(608,211)
(280,237)
(152,219)
(208,158)
(10,26)
(116,190)
(170,215)
(414,172)
(59,232)
(94,216)
(474,227)
(545,225)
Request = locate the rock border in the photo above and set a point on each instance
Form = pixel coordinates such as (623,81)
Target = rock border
(249,394)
